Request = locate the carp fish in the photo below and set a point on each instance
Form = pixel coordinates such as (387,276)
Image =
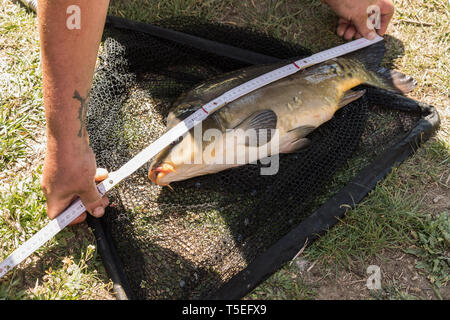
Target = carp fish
(292,107)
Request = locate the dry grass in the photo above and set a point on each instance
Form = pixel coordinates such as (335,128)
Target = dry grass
(426,54)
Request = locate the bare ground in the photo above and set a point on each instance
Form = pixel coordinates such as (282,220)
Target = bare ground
(399,280)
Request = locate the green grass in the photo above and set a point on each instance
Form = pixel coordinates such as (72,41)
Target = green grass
(394,217)
(391,217)
(20,95)
(74,279)
(400,215)
(148,10)
(13,144)
(286,284)
(66,267)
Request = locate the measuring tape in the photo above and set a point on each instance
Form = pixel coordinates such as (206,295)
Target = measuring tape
(77,207)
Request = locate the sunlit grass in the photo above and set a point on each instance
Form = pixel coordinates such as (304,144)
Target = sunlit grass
(67,266)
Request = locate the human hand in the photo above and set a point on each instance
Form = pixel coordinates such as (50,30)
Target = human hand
(353,17)
(70,172)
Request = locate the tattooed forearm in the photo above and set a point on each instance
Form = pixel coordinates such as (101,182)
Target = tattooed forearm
(82,111)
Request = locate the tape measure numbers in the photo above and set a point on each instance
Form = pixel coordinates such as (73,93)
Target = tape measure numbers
(77,207)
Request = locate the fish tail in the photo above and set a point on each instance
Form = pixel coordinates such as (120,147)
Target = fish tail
(391,80)
(396,81)
(377,76)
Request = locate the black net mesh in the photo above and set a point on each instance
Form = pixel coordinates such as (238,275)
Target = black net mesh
(186,243)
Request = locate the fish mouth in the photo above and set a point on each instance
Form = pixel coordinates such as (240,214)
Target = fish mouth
(158,172)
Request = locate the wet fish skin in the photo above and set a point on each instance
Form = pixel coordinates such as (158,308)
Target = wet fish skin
(295,105)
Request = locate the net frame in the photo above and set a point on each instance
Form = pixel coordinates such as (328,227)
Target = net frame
(317,223)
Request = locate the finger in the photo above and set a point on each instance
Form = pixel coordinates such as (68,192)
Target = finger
(384,23)
(358,35)
(340,31)
(105,201)
(362,26)
(387,12)
(342,27)
(101,174)
(343,21)
(98,212)
(349,33)
(92,200)
(94,203)
(57,206)
(79,219)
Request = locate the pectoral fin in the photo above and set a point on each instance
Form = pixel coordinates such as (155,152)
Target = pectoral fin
(350,96)
(296,139)
(259,122)
(296,145)
(301,131)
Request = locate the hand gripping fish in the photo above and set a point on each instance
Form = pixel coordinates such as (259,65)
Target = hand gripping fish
(293,107)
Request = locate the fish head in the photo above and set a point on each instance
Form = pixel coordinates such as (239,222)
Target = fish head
(159,171)
(172,160)
(176,161)
(190,157)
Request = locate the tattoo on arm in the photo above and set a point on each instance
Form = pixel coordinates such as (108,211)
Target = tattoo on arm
(82,111)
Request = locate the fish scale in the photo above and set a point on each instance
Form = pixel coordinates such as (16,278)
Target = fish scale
(325,88)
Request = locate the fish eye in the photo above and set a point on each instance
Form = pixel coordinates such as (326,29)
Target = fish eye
(156,164)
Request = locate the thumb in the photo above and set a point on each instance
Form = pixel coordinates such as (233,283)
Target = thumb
(93,201)
(97,206)
(101,174)
(364,26)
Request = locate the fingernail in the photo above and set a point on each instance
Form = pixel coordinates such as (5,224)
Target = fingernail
(371,35)
(98,212)
(101,174)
